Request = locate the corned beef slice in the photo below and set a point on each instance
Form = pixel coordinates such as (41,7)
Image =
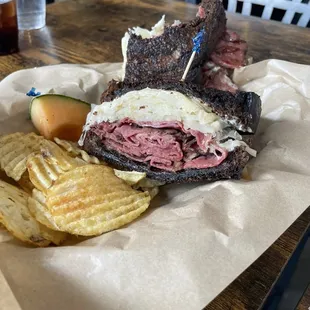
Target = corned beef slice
(217,77)
(229,54)
(230,51)
(164,145)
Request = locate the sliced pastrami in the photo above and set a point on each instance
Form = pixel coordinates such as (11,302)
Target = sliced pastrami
(164,145)
(214,76)
(230,51)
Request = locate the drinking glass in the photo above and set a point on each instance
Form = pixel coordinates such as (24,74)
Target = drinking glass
(8,27)
(31,14)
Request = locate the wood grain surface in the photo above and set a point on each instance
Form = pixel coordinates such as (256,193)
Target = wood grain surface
(89,31)
(304,303)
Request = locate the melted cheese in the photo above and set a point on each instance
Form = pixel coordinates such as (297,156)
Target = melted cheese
(153,105)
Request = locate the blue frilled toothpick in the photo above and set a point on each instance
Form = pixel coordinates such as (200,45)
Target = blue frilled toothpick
(32,93)
(197,40)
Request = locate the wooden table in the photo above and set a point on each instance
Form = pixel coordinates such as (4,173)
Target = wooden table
(89,31)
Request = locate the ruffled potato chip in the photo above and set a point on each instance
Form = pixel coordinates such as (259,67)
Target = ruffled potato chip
(17,219)
(130,177)
(25,183)
(37,206)
(14,151)
(56,156)
(64,190)
(138,180)
(73,149)
(45,167)
(90,200)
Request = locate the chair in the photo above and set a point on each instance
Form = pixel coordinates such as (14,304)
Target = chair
(294,11)
(291,8)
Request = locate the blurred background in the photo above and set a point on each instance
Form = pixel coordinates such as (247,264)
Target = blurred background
(296,12)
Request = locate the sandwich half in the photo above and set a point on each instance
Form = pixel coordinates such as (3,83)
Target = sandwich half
(175,132)
(163,52)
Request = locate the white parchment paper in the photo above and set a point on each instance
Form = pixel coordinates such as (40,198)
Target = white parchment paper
(196,238)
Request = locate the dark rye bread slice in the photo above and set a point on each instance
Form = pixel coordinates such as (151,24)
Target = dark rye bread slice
(230,168)
(243,108)
(165,57)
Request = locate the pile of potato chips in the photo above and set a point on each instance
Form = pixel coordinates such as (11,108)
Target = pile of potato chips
(61,190)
